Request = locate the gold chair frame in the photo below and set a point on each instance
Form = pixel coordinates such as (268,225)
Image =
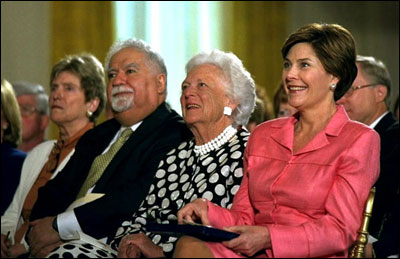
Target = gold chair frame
(357,250)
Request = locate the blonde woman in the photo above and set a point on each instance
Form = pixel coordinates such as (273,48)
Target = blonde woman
(11,158)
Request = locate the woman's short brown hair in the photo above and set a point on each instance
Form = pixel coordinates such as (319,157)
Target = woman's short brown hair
(334,46)
(91,73)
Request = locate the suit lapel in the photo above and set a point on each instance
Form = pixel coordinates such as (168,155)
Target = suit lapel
(103,136)
(286,126)
(150,125)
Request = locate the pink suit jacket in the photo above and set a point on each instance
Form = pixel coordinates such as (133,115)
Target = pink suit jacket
(311,201)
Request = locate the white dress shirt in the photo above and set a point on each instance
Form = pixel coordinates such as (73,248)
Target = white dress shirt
(68,225)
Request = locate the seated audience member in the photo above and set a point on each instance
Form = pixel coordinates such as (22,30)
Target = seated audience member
(34,106)
(77,97)
(367,102)
(263,110)
(11,158)
(257,116)
(281,106)
(306,177)
(268,107)
(116,161)
(217,99)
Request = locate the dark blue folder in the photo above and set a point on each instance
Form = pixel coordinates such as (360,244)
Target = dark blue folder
(202,232)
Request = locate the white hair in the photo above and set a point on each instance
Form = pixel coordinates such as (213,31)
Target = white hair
(240,88)
(28,88)
(152,55)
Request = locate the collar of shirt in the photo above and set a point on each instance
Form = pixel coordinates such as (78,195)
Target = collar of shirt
(119,132)
(373,124)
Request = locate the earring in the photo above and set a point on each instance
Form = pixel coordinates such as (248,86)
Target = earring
(332,86)
(227,111)
(89,114)
(4,125)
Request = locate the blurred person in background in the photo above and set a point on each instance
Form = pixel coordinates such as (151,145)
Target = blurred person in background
(11,158)
(34,106)
(258,115)
(281,106)
(367,101)
(263,110)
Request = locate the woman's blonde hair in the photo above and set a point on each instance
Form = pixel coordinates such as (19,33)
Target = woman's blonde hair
(10,108)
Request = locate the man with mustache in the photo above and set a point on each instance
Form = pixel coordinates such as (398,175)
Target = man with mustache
(136,90)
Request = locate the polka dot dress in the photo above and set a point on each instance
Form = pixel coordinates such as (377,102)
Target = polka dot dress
(181,178)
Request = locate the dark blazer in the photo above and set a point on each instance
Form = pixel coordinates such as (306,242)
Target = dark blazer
(385,218)
(11,165)
(125,181)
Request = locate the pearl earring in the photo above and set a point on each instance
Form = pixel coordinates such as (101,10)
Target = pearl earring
(333,86)
(227,111)
(89,114)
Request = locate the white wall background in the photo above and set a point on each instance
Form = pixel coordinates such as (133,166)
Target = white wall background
(25,41)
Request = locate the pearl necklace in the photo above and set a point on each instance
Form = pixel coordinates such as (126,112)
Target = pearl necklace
(217,142)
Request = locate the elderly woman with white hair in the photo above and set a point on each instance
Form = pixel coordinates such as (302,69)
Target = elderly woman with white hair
(218,97)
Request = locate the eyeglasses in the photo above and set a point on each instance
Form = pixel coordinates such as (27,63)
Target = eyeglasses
(27,110)
(354,88)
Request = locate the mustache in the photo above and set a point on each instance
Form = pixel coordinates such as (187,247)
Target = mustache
(121,89)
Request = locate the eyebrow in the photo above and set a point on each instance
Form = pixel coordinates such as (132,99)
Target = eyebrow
(300,60)
(200,80)
(65,84)
(304,59)
(134,65)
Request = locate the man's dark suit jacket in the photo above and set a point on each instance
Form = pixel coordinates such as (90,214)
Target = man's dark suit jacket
(385,218)
(126,180)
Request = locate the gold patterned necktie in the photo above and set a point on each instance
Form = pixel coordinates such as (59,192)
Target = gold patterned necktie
(101,162)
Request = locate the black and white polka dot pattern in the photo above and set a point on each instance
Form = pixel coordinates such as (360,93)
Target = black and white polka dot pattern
(181,178)
(78,249)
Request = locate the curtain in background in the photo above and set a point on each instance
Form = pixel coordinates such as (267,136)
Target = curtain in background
(255,32)
(80,26)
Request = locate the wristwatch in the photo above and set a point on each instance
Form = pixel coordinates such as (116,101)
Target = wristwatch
(55,225)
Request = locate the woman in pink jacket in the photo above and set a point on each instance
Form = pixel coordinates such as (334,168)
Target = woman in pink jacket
(307,177)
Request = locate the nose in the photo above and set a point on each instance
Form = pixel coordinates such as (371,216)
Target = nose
(57,93)
(290,73)
(342,100)
(119,79)
(188,91)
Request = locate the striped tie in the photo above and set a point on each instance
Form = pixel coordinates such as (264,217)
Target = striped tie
(101,162)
